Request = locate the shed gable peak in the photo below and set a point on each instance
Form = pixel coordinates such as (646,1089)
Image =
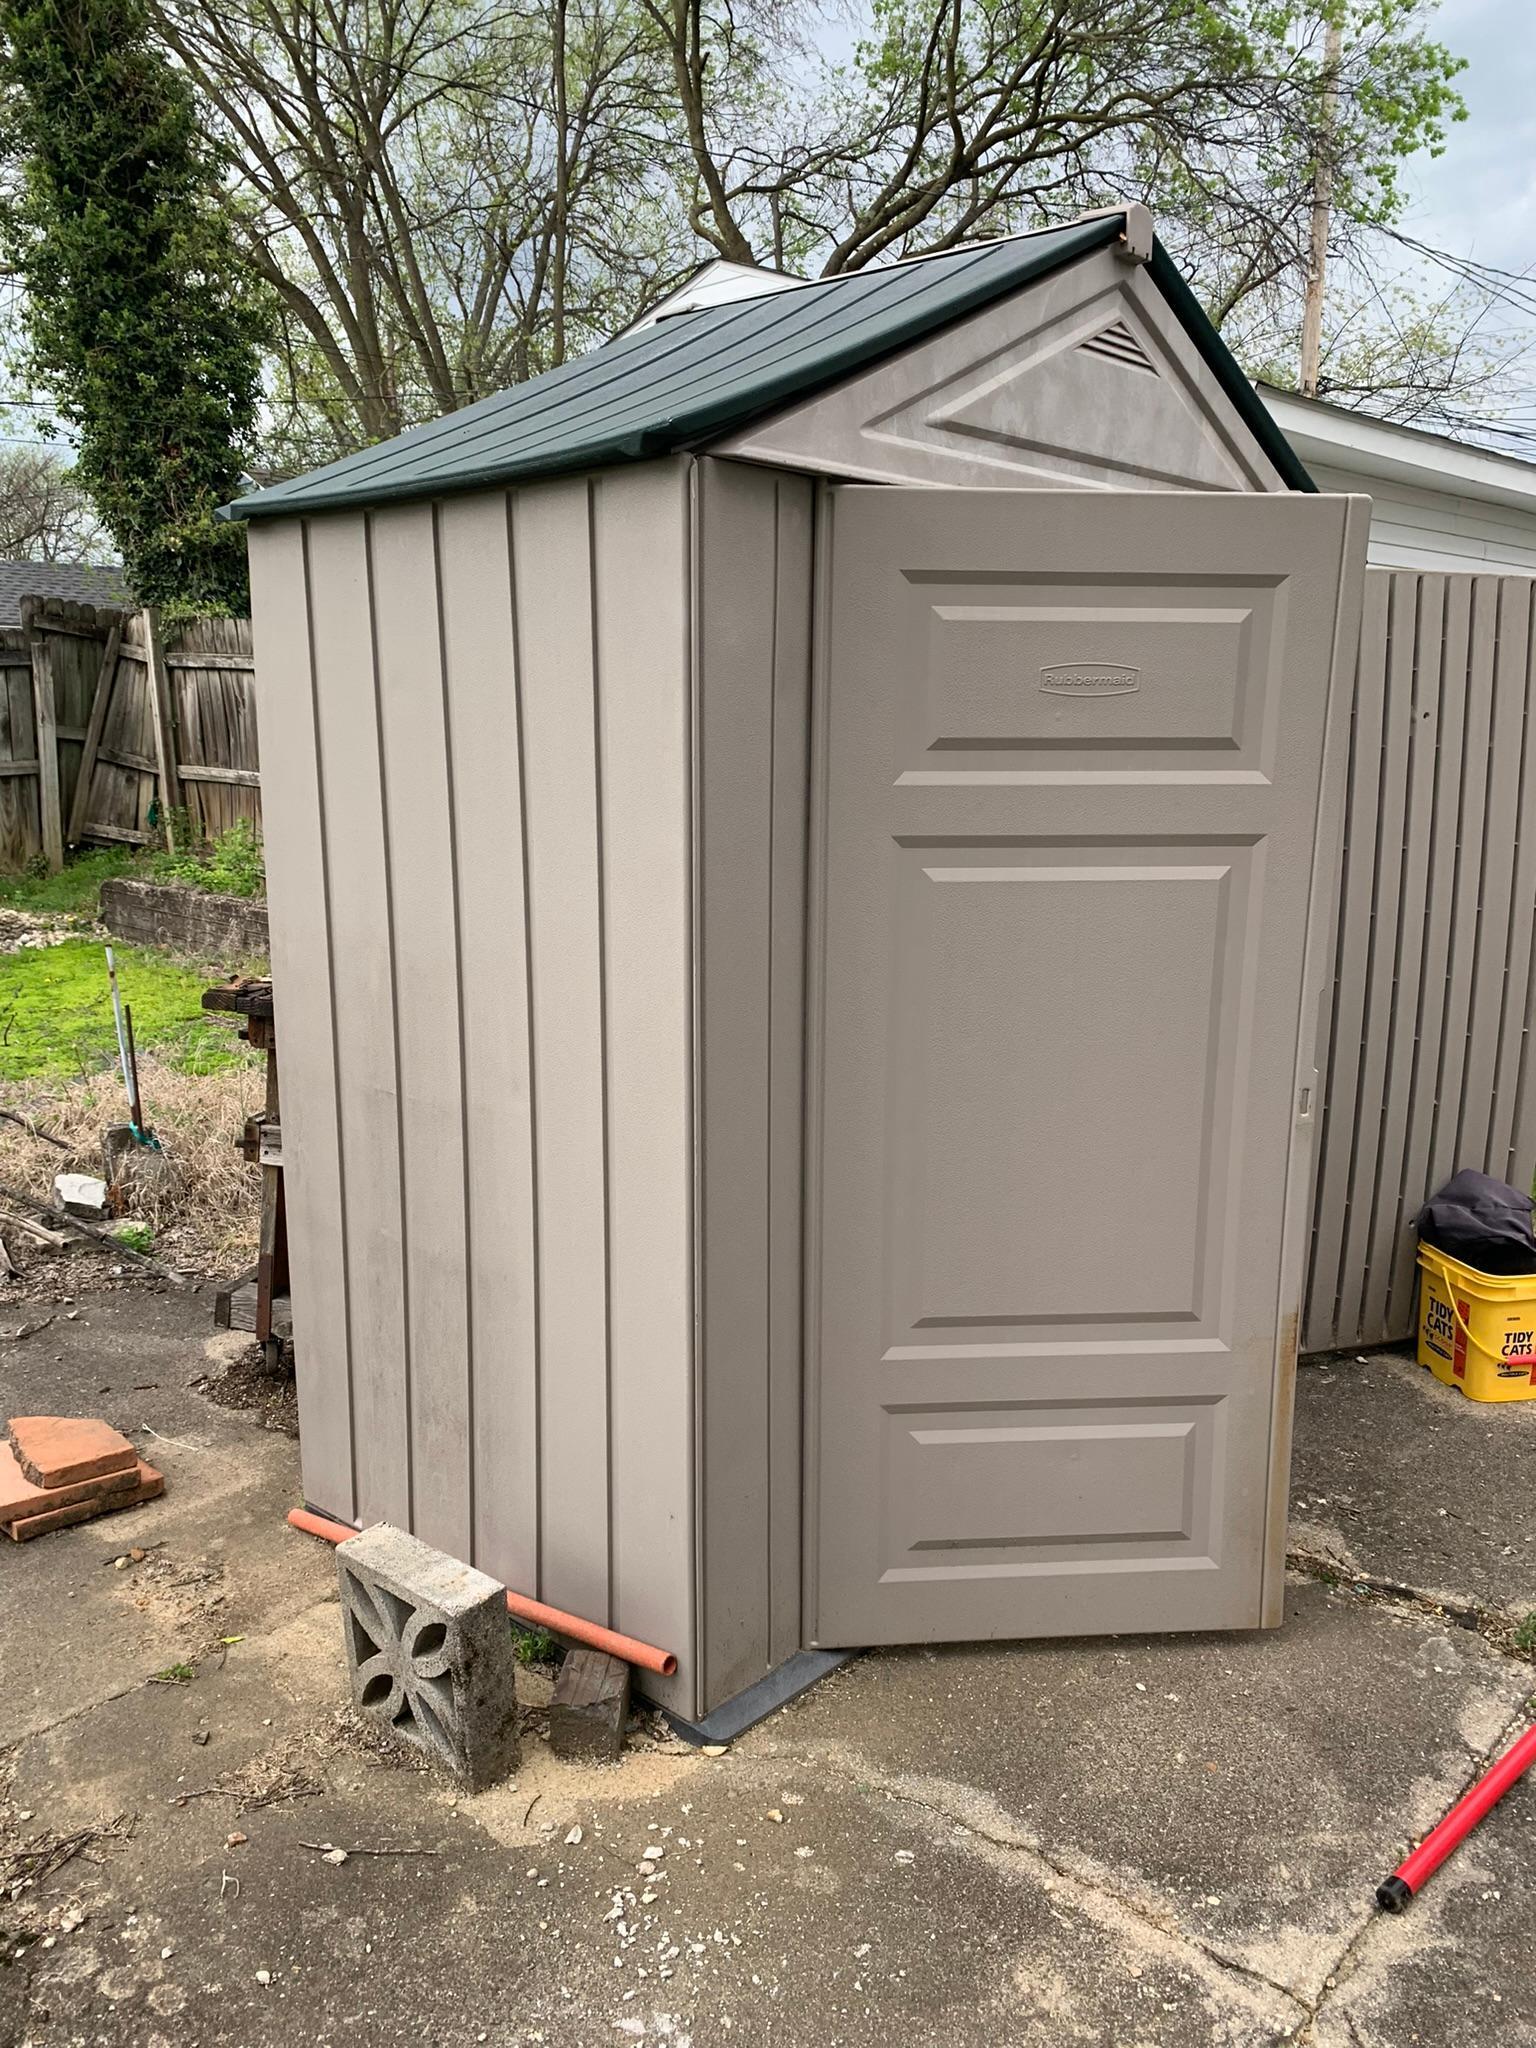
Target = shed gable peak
(1082,377)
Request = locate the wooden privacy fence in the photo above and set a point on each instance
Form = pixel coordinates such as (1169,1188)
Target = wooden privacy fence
(1432,1060)
(101,711)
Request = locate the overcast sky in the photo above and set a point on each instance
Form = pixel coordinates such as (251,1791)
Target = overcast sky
(1479,198)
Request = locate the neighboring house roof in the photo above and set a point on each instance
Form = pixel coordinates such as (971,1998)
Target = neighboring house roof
(715,283)
(1334,436)
(685,381)
(81,582)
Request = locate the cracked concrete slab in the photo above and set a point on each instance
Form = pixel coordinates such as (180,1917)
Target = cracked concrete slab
(1254,1787)
(1457,1966)
(1130,1844)
(1405,1479)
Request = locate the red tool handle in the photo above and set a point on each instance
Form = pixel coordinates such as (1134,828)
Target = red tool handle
(1458,1824)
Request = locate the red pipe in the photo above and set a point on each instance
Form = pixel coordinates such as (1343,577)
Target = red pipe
(627,1648)
(1463,1817)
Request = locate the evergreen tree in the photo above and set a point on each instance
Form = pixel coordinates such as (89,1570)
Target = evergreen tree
(145,327)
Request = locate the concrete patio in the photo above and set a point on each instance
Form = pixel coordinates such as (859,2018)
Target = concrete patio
(1162,1841)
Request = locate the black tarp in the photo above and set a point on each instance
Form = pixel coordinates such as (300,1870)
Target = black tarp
(1481,1221)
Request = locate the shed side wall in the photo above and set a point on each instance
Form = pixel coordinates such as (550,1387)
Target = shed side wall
(479,784)
(298,896)
(754,625)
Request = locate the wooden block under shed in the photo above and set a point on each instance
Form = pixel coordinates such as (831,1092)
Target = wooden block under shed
(590,1708)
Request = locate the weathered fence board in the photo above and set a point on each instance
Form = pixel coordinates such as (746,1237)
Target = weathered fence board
(88,676)
(1433,1032)
(20,830)
(215,706)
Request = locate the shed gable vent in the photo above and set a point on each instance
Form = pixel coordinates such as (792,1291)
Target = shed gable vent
(1121,346)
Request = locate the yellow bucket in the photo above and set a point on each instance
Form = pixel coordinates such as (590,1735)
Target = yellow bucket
(1477,1331)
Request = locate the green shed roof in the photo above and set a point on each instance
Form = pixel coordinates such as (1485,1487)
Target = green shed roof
(686,381)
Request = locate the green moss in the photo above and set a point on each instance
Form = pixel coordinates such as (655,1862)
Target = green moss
(56,1011)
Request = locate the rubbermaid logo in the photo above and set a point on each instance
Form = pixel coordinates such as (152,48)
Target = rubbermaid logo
(1089,679)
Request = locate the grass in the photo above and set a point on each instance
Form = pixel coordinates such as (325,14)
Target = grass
(174,1674)
(199,1081)
(1525,1634)
(231,865)
(56,1011)
(73,891)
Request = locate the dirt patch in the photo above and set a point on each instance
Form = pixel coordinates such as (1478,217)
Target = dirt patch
(292,1769)
(183,1599)
(239,1378)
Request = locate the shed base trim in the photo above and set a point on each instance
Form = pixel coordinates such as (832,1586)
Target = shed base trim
(786,1682)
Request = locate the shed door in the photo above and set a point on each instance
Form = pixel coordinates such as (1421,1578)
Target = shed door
(1071,755)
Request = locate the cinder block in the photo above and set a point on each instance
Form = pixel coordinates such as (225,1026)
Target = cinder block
(590,1708)
(429,1652)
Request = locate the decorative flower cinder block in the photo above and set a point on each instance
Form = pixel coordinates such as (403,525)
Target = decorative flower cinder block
(429,1652)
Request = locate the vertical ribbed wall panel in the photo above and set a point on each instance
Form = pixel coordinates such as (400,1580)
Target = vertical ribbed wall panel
(1434,990)
(480,779)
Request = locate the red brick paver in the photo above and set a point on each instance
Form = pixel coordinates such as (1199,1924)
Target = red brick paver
(60,1450)
(148,1485)
(18,1496)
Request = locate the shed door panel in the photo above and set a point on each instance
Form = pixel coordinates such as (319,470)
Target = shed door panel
(1071,753)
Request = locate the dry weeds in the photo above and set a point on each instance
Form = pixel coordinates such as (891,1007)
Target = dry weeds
(204,1218)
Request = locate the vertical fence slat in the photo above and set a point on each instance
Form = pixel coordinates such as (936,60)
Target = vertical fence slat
(1436,968)
(1514,1162)
(1496,895)
(1470,816)
(1388,1239)
(46,725)
(79,810)
(1381,967)
(1359,876)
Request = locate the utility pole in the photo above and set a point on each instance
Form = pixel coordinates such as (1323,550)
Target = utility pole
(1322,209)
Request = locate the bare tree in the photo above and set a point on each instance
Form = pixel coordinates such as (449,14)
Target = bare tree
(445,197)
(956,121)
(44,515)
(449,196)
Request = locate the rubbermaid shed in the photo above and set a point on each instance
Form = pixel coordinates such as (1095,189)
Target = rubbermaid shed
(797,987)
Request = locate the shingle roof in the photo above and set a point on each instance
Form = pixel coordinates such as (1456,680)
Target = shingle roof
(685,382)
(83,582)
